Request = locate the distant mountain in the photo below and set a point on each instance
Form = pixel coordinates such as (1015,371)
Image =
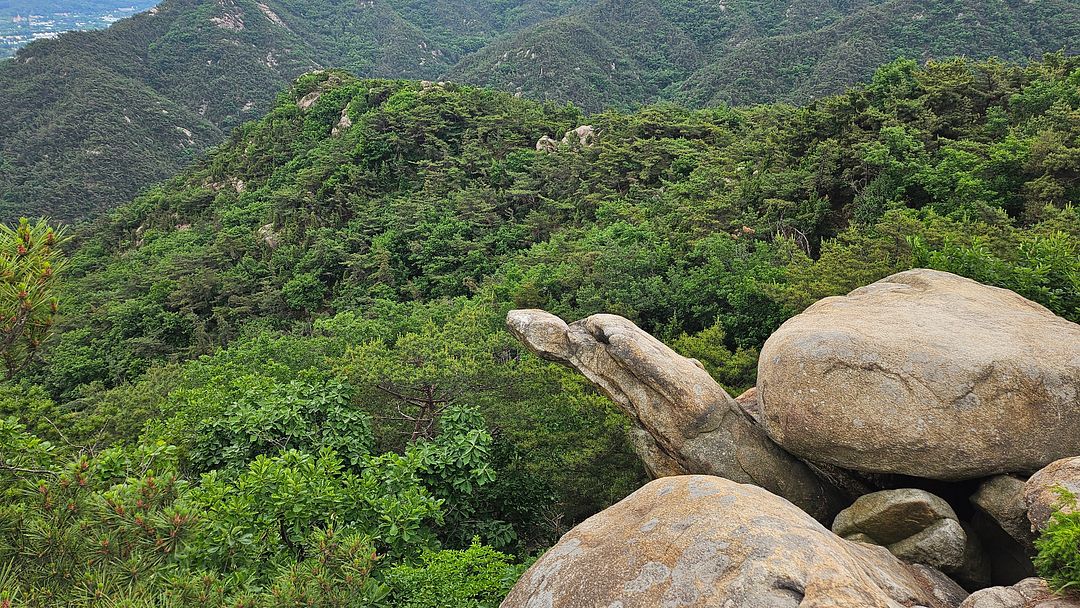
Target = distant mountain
(623,52)
(90,118)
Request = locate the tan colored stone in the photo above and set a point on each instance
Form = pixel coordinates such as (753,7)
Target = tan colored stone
(584,136)
(343,123)
(684,421)
(1002,498)
(890,516)
(928,374)
(918,527)
(1028,593)
(748,401)
(547,144)
(1041,491)
(698,541)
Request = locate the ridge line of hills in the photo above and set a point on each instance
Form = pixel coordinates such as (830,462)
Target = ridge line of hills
(94,117)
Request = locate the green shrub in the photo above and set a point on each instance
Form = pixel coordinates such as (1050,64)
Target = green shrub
(1058,559)
(478,577)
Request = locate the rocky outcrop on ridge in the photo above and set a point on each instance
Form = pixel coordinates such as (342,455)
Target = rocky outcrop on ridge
(923,378)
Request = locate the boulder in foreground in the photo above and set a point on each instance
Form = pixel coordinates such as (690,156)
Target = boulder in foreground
(1028,593)
(710,542)
(927,374)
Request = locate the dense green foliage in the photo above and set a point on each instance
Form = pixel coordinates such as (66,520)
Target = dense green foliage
(30,260)
(619,52)
(93,117)
(680,220)
(283,375)
(1058,559)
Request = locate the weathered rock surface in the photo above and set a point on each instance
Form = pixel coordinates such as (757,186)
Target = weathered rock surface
(684,421)
(309,100)
(1040,491)
(891,516)
(710,542)
(546,144)
(343,123)
(584,135)
(1028,593)
(927,374)
(748,401)
(1002,498)
(916,526)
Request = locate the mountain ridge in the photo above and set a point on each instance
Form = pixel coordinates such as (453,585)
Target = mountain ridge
(71,148)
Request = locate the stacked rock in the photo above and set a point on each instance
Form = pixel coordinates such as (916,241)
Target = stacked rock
(907,415)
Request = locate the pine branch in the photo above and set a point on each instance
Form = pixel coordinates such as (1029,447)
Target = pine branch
(4,466)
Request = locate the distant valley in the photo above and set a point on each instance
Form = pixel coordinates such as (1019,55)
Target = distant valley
(22,22)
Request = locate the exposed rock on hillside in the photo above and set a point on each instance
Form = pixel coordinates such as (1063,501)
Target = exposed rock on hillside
(343,123)
(928,374)
(584,136)
(705,541)
(685,422)
(1041,493)
(924,374)
(547,144)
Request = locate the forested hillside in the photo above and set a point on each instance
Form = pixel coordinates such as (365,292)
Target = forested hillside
(283,375)
(93,117)
(708,53)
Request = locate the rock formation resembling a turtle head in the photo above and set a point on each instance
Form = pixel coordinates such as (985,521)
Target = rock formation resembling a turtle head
(684,422)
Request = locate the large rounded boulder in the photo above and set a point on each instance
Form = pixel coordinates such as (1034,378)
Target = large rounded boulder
(927,374)
(710,542)
(1045,492)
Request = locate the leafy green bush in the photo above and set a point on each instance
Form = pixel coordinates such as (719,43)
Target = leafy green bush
(1058,558)
(293,529)
(478,577)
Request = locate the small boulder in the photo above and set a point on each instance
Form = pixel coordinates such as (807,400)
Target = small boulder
(269,236)
(343,123)
(547,144)
(890,516)
(1002,499)
(914,525)
(927,374)
(1028,593)
(584,136)
(940,545)
(707,541)
(1041,492)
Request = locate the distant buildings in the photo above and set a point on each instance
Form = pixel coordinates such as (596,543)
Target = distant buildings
(19,30)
